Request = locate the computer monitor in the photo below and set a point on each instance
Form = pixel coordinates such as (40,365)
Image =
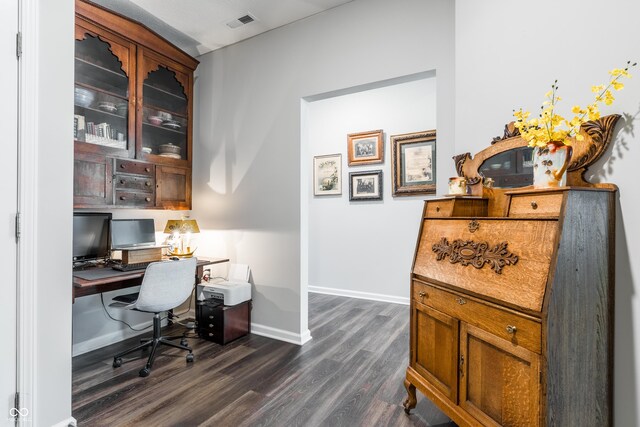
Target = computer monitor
(132,233)
(90,236)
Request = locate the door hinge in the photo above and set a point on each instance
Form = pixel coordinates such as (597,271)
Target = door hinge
(16,406)
(18,226)
(18,45)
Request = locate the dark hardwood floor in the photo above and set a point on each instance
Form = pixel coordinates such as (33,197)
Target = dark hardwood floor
(350,374)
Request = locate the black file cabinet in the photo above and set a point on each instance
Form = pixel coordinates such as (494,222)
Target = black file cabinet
(222,323)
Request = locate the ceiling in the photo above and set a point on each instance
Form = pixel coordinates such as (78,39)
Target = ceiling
(200,26)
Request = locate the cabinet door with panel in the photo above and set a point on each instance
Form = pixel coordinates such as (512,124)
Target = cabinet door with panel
(105,64)
(173,187)
(164,109)
(92,180)
(435,354)
(499,381)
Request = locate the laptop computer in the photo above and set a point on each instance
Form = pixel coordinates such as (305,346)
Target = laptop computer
(133,234)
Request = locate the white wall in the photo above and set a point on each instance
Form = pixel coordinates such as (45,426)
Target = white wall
(507,56)
(247,171)
(361,248)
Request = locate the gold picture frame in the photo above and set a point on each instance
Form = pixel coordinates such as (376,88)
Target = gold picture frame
(365,148)
(413,163)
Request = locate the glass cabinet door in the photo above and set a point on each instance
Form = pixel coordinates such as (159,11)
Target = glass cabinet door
(165,124)
(102,101)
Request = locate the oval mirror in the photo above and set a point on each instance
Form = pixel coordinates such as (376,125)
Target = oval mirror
(510,169)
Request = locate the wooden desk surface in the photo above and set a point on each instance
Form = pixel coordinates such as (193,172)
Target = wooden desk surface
(120,280)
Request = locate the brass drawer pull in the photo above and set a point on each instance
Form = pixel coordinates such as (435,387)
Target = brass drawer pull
(123,198)
(147,199)
(511,329)
(534,205)
(148,184)
(422,294)
(461,301)
(437,208)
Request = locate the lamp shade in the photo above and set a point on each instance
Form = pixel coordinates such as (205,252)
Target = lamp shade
(181,226)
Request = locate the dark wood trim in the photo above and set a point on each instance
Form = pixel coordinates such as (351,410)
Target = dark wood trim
(143,35)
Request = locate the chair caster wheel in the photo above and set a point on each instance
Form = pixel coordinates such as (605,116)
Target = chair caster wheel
(183,342)
(117,362)
(190,357)
(144,372)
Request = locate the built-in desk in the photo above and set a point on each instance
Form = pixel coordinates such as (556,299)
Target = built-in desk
(111,280)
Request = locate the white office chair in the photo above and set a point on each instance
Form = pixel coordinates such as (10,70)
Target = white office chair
(165,285)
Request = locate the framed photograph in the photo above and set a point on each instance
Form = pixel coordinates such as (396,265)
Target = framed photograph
(327,175)
(365,147)
(413,157)
(366,185)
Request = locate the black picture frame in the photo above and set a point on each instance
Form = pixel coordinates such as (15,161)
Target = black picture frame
(365,185)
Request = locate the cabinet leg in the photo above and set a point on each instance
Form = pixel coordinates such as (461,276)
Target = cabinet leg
(410,402)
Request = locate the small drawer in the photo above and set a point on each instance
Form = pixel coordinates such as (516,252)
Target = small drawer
(128,198)
(518,329)
(135,167)
(535,205)
(439,208)
(134,182)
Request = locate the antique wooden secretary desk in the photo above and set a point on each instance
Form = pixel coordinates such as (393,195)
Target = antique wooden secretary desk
(512,293)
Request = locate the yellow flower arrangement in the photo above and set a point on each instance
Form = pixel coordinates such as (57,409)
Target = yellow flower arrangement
(550,128)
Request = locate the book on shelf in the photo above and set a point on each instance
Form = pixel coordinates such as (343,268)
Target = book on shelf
(79,127)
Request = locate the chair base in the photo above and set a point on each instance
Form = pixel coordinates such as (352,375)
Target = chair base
(154,343)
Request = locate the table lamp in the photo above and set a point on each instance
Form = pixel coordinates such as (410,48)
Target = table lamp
(181,231)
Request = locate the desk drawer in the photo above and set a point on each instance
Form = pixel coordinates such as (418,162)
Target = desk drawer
(536,205)
(508,325)
(456,206)
(135,167)
(134,182)
(129,198)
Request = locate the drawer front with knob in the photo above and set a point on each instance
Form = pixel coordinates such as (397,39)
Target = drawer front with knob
(134,182)
(439,208)
(519,329)
(134,167)
(129,198)
(536,205)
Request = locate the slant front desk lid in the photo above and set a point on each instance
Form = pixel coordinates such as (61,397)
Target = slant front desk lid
(486,257)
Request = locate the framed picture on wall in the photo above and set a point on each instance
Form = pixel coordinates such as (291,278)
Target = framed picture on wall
(365,147)
(327,175)
(413,163)
(365,185)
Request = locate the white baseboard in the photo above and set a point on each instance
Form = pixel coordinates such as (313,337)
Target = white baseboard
(111,338)
(358,294)
(69,422)
(280,334)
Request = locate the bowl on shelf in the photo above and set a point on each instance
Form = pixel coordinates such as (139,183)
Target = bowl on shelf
(83,97)
(155,120)
(109,107)
(147,150)
(122,108)
(164,115)
(169,149)
(171,124)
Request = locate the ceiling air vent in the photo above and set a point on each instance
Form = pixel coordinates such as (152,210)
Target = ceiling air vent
(243,20)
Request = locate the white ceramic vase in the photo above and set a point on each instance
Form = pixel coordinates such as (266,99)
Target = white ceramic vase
(550,165)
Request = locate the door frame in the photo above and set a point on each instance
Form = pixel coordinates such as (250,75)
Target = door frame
(28,77)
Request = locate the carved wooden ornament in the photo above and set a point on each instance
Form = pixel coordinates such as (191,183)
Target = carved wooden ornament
(468,252)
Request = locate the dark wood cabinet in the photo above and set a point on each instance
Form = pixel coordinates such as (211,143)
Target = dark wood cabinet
(133,114)
(92,180)
(223,323)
